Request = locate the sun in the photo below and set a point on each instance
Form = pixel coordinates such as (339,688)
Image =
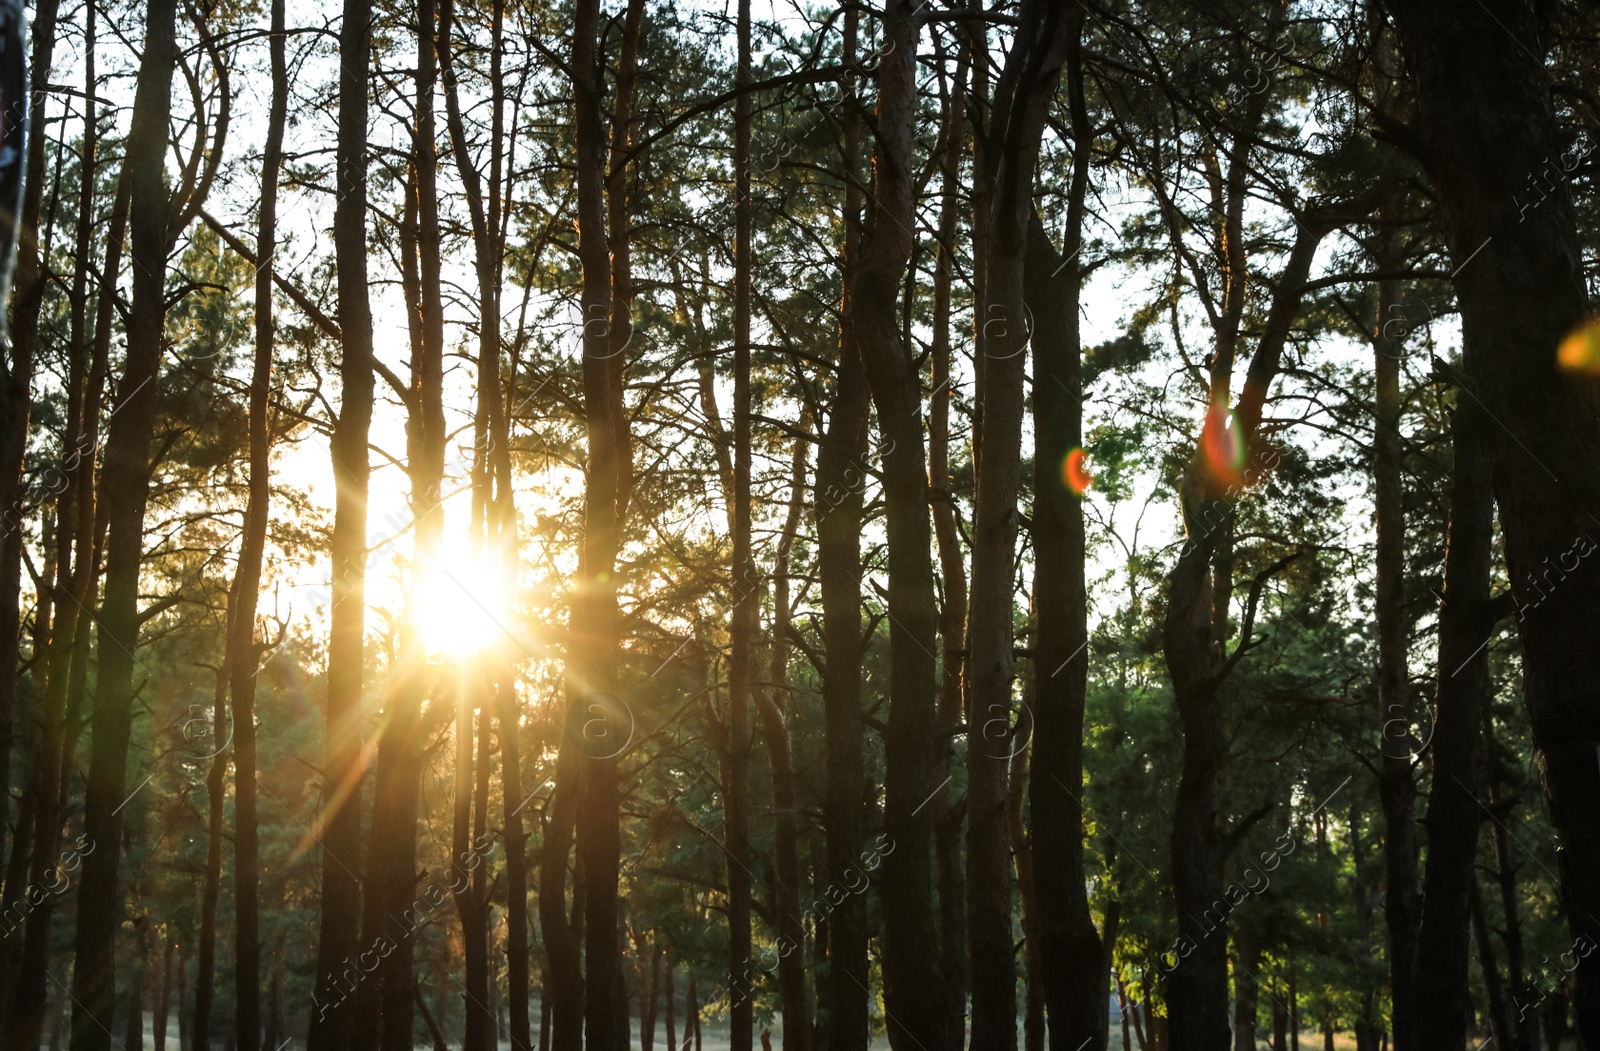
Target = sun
(460,612)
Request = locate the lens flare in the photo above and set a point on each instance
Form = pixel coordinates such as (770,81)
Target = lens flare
(1580,351)
(1223,444)
(1075,471)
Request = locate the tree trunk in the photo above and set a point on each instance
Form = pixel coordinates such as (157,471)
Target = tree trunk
(1526,1025)
(647,968)
(947,819)
(839,501)
(1033,1023)
(58,1016)
(746,584)
(1246,993)
(918,1011)
(563,975)
(492,472)
(672,1016)
(392,856)
(332,1019)
(20,348)
(133,1036)
(1493,982)
(1075,987)
(24,1019)
(127,469)
(211,885)
(1465,627)
(244,655)
(1124,1010)
(1193,636)
(163,1001)
(775,714)
(1027,85)
(597,715)
(1396,788)
(183,986)
(1486,122)
(692,1016)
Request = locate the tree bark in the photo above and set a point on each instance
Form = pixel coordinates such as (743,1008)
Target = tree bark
(839,503)
(563,977)
(947,819)
(211,881)
(1526,1025)
(918,1011)
(127,470)
(244,654)
(672,1016)
(746,583)
(392,857)
(164,995)
(1486,125)
(1075,987)
(1397,789)
(1246,993)
(492,472)
(1026,87)
(1033,1019)
(775,714)
(1493,982)
(21,345)
(597,714)
(331,1027)
(470,904)
(25,1015)
(1465,629)
(1193,644)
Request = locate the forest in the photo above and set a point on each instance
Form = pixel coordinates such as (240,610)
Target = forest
(909,524)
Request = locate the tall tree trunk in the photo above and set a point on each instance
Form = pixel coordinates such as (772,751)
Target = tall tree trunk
(1033,1022)
(947,819)
(672,1015)
(1486,121)
(597,714)
(1025,90)
(470,904)
(183,986)
(647,971)
(24,1018)
(392,856)
(1246,992)
(1397,788)
(839,506)
(1465,627)
(492,475)
(918,1011)
(563,973)
(1493,983)
(133,1036)
(20,344)
(1193,645)
(1075,987)
(163,1000)
(746,582)
(332,1018)
(775,709)
(1526,1025)
(127,469)
(211,881)
(244,655)
(691,1016)
(277,1009)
